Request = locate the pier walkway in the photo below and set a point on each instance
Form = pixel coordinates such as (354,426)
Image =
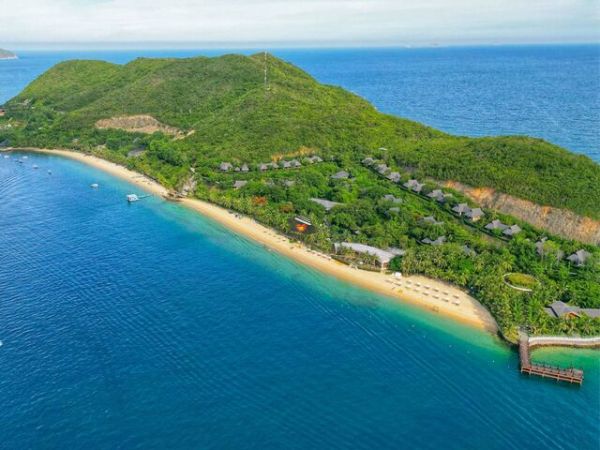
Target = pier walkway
(570,375)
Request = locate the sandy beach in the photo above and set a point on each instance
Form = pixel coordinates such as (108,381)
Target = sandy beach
(435,296)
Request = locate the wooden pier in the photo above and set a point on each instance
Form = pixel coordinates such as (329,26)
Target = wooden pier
(569,375)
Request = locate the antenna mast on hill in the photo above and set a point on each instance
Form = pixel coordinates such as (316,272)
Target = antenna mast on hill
(266,78)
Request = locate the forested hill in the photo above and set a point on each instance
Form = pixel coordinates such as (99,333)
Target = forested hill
(225,110)
(5,54)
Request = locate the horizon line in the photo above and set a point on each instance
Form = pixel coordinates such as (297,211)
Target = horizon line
(183,45)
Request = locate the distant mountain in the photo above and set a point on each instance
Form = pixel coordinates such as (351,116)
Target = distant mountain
(222,108)
(5,54)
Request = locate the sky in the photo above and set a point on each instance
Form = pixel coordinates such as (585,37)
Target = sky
(180,23)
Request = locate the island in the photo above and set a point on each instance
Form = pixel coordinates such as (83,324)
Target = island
(5,54)
(511,221)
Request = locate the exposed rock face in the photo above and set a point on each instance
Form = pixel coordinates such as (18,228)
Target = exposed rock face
(189,186)
(138,124)
(561,222)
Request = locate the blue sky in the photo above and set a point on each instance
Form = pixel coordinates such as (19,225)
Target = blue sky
(297,22)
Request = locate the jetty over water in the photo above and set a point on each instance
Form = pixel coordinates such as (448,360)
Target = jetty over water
(570,375)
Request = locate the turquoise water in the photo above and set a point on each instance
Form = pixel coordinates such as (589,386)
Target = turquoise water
(552,92)
(149,326)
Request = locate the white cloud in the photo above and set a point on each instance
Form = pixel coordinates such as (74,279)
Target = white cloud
(299,21)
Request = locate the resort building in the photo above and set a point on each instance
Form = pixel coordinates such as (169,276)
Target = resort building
(461,208)
(414,186)
(327,204)
(562,310)
(341,175)
(496,225)
(439,241)
(579,258)
(239,184)
(302,225)
(225,167)
(295,163)
(430,220)
(391,198)
(383,256)
(285,164)
(512,231)
(394,177)
(245,168)
(368,161)
(136,152)
(475,214)
(313,159)
(382,169)
(438,195)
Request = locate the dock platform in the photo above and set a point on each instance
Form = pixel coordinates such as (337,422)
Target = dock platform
(570,375)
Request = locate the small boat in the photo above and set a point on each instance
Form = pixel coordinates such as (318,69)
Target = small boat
(49,172)
(25,157)
(6,156)
(132,198)
(94,185)
(35,166)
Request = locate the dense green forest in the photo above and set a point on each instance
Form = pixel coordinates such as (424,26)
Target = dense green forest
(229,112)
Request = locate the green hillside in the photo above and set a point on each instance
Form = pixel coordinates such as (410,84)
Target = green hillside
(234,115)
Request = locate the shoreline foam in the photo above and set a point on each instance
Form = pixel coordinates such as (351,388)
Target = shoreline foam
(415,289)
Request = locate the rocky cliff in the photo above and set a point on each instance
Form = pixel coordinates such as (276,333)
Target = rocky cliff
(557,221)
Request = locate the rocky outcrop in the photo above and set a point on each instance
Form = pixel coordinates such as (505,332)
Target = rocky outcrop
(138,124)
(561,222)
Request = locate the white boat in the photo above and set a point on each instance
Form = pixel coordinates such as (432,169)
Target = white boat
(94,185)
(132,198)
(6,156)
(35,166)
(49,172)
(25,157)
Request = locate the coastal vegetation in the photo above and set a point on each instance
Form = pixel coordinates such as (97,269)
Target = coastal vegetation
(246,142)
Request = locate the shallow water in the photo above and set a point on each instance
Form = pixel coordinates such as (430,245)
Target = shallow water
(147,325)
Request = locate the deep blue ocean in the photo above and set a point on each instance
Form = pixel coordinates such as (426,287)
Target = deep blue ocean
(149,326)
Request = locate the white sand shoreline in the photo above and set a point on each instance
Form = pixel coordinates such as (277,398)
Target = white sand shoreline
(435,296)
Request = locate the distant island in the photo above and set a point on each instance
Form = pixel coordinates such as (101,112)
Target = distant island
(512,221)
(5,54)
